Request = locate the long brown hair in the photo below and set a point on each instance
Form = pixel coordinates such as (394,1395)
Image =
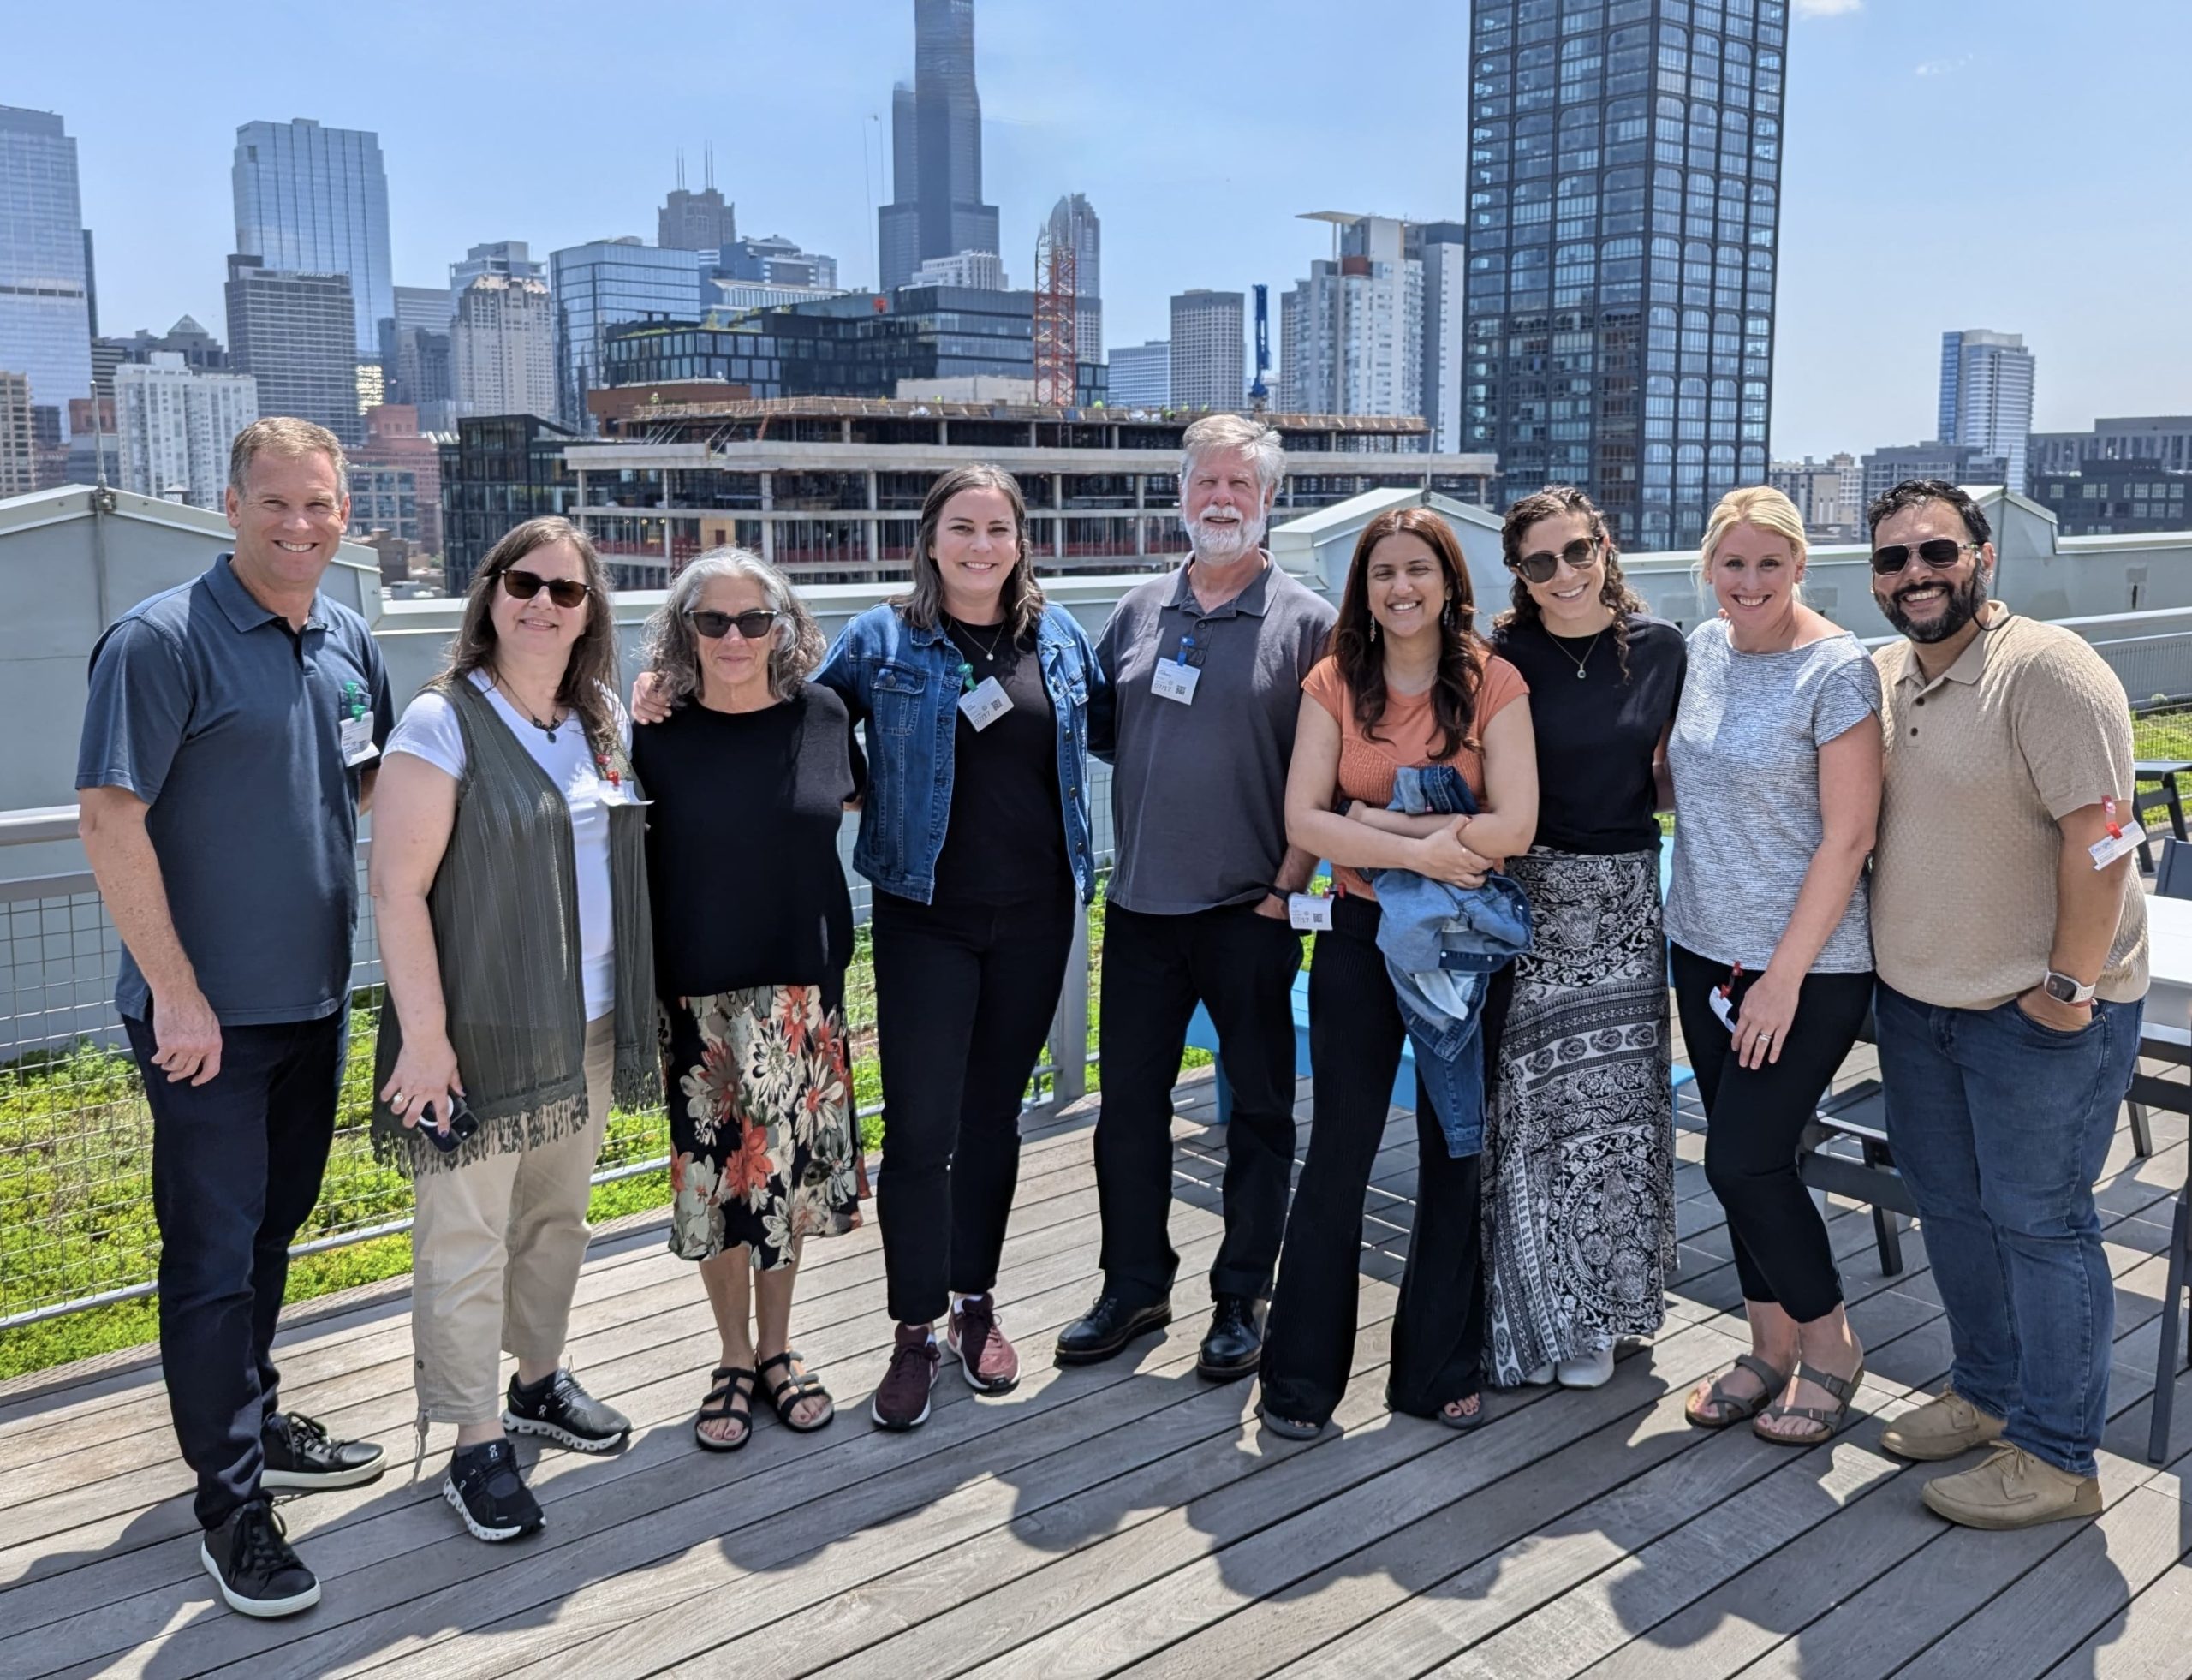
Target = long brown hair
(1614,593)
(1461,651)
(590,675)
(1022,597)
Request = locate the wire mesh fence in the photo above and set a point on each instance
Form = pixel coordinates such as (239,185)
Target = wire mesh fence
(76,1225)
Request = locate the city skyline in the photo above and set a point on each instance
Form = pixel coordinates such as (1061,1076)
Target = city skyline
(1870,88)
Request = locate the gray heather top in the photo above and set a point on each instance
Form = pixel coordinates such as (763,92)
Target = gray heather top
(1745,758)
(1198,792)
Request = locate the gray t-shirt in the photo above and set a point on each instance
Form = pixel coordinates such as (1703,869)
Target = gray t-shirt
(1745,758)
(1199,791)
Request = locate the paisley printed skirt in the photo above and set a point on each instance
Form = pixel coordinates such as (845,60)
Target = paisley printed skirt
(765,1148)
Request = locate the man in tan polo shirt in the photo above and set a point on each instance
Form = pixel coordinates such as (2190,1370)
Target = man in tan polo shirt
(2012,970)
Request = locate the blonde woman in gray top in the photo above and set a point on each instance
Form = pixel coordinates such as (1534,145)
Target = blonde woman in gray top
(1776,759)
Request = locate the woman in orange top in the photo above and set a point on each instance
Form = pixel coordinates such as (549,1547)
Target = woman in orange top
(1408,681)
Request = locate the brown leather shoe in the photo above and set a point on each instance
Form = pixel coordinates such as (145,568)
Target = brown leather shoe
(986,1358)
(1941,1428)
(2012,1490)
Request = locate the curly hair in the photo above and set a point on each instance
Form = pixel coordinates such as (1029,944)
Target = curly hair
(673,647)
(1614,593)
(1461,651)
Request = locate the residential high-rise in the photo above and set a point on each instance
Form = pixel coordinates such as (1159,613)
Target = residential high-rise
(295,333)
(1442,248)
(17,443)
(175,427)
(1209,363)
(975,270)
(315,200)
(396,477)
(596,286)
(1987,395)
(1624,185)
(503,348)
(509,257)
(45,331)
(1352,333)
(1958,463)
(936,150)
(1140,375)
(1072,217)
(1829,495)
(2165,439)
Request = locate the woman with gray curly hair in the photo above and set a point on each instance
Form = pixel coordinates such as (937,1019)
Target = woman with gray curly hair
(749,776)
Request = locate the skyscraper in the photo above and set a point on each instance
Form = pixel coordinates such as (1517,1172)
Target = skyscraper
(294,332)
(175,427)
(1072,218)
(503,348)
(1209,363)
(315,200)
(17,443)
(698,221)
(1624,186)
(511,257)
(936,150)
(601,284)
(46,329)
(1352,333)
(1140,375)
(1441,248)
(1986,381)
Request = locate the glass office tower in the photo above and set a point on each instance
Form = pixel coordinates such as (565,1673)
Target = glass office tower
(601,284)
(1625,186)
(45,323)
(315,200)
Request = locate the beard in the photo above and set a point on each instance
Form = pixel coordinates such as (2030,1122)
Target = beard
(1960,607)
(1221,543)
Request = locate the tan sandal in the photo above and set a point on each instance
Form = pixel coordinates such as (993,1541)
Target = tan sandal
(1831,1420)
(1729,1408)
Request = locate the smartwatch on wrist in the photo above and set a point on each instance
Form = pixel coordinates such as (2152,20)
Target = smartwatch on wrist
(2064,989)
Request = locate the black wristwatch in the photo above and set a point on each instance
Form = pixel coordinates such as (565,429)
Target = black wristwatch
(2064,989)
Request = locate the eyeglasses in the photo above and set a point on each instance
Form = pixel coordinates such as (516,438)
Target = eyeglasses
(1541,567)
(715,626)
(565,592)
(1941,553)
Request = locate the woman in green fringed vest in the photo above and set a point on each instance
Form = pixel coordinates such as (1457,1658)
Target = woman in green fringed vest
(509,879)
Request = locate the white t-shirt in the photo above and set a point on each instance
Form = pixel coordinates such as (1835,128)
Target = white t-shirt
(429,729)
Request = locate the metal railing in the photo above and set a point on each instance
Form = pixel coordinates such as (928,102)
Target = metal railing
(76,1226)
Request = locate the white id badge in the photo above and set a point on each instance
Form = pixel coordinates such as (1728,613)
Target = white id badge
(985,703)
(358,742)
(1722,1008)
(2109,847)
(1307,912)
(1174,680)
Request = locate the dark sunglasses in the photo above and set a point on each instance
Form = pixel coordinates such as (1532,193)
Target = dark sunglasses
(565,592)
(1541,567)
(1941,553)
(715,626)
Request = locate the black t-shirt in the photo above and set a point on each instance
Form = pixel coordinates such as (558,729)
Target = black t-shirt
(1597,734)
(742,844)
(1004,840)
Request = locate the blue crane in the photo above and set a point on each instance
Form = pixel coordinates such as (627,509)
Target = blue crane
(1259,393)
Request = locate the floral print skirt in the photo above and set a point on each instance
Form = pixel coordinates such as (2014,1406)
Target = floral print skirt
(765,1148)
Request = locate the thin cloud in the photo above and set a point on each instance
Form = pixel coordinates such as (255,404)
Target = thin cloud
(1828,7)
(1943,67)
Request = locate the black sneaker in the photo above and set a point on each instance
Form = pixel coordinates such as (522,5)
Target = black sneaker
(259,1573)
(302,1454)
(485,1488)
(559,1408)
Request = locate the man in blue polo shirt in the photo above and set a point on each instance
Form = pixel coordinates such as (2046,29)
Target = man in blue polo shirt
(228,748)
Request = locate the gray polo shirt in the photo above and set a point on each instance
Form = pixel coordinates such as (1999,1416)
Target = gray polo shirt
(225,721)
(1199,791)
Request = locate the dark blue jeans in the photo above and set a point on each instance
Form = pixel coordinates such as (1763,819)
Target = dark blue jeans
(236,1165)
(2000,1126)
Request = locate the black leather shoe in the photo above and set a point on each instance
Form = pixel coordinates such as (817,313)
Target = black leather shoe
(1234,1343)
(301,1454)
(1107,1327)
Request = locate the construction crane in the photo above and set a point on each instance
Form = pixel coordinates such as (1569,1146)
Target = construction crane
(1057,330)
(1260,392)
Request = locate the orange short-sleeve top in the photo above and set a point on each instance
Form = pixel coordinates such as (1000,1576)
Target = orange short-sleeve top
(1405,737)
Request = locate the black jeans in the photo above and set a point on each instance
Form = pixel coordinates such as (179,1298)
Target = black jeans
(236,1165)
(1355,1034)
(1755,1117)
(964,994)
(1241,966)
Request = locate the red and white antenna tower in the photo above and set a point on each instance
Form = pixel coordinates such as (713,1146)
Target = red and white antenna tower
(1056,331)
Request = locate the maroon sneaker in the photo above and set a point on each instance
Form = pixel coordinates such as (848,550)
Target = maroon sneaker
(901,1397)
(985,1357)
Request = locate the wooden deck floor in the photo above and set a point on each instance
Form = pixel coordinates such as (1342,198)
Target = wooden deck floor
(1128,1516)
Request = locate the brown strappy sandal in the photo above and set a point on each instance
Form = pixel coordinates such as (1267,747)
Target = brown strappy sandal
(1831,1421)
(1728,1407)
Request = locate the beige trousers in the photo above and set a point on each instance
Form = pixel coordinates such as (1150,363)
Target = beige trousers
(496,1251)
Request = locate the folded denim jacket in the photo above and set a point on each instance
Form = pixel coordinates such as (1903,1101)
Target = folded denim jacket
(1442,943)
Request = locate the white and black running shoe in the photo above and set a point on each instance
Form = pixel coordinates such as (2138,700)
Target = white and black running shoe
(557,1407)
(258,1573)
(485,1488)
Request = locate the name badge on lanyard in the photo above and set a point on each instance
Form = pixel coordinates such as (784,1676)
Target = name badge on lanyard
(1176,679)
(356,736)
(1309,913)
(2123,839)
(985,704)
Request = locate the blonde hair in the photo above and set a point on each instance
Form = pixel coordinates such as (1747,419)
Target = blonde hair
(1764,507)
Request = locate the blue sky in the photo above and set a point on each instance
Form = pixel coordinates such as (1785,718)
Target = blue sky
(2007,164)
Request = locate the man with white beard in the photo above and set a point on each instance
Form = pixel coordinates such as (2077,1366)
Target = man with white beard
(1207,667)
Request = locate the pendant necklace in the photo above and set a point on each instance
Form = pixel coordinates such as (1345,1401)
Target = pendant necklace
(547,729)
(1571,658)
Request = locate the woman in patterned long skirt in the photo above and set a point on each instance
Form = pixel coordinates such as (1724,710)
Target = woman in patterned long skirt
(753,929)
(1579,1139)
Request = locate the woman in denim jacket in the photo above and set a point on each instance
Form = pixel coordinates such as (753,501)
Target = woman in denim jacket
(974,833)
